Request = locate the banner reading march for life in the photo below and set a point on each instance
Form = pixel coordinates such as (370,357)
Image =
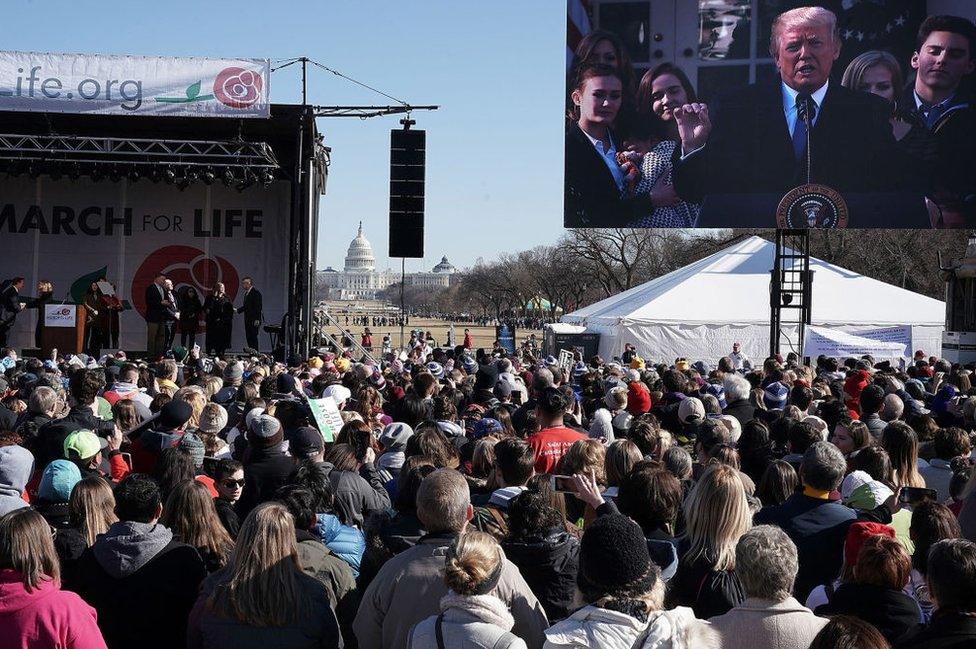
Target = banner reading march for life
(134,85)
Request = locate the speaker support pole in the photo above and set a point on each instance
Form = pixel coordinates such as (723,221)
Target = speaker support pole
(403,279)
(790,289)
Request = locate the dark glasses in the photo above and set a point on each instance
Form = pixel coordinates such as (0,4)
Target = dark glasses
(232,484)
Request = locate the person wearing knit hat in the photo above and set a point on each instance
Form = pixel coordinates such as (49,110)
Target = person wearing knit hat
(265,431)
(213,419)
(637,363)
(602,421)
(624,594)
(339,393)
(377,380)
(681,365)
(315,363)
(638,398)
(775,396)
(193,445)
(57,481)
(487,426)
(393,438)
(342,365)
(286,386)
(468,364)
(717,391)
(306,443)
(435,369)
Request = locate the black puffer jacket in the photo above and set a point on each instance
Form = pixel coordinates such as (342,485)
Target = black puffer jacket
(549,565)
(892,612)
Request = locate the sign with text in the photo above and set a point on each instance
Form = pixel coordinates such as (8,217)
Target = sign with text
(60,315)
(183,86)
(327,417)
(839,344)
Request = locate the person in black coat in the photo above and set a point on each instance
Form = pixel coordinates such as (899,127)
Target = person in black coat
(545,553)
(155,315)
(141,581)
(951,578)
(190,310)
(45,293)
(10,306)
(599,191)
(253,310)
(758,143)
(266,466)
(219,316)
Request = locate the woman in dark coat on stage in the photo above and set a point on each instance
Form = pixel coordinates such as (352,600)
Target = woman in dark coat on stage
(45,293)
(190,309)
(219,313)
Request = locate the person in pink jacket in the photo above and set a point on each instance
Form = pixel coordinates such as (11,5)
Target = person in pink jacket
(34,612)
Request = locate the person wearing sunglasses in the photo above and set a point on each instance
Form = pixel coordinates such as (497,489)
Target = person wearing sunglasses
(229,481)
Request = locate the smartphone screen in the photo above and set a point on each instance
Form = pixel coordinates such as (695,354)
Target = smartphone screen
(563,483)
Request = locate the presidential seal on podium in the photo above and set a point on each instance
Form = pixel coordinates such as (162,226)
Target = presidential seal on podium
(812,206)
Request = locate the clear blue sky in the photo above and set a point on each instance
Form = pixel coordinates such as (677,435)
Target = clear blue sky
(494,149)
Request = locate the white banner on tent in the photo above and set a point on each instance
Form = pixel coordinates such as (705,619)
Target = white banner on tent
(831,342)
(901,334)
(51,82)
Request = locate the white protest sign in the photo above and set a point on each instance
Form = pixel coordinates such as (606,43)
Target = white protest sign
(839,344)
(327,417)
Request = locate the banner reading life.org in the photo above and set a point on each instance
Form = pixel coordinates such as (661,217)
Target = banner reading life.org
(134,85)
(72,233)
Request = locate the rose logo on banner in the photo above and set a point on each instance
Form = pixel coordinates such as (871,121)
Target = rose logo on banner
(237,87)
(186,266)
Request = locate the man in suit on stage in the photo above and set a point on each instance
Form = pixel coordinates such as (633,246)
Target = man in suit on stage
(758,142)
(252,310)
(10,306)
(156,304)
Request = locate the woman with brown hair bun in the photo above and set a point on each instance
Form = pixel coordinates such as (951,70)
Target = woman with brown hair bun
(470,617)
(262,598)
(34,611)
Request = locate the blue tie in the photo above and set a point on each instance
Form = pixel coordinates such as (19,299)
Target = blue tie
(803,105)
(933,113)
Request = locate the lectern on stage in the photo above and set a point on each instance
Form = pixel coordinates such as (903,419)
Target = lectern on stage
(63,328)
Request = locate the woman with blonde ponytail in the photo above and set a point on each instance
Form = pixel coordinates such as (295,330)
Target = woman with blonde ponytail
(262,598)
(471,616)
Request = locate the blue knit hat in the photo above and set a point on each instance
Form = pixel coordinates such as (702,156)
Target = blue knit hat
(775,396)
(57,481)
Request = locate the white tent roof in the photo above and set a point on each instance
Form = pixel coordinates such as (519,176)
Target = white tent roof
(732,287)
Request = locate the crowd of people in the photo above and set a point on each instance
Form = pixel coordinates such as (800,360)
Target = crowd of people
(644,152)
(479,499)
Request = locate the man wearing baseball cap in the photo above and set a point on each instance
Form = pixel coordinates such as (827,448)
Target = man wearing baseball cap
(84,448)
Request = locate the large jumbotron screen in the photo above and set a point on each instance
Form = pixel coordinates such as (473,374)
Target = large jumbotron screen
(741,113)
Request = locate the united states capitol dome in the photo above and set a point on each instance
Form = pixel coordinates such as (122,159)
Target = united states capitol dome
(359,257)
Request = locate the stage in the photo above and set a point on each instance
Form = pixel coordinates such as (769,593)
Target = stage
(202,199)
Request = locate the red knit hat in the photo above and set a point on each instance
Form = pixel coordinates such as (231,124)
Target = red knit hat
(857,534)
(638,398)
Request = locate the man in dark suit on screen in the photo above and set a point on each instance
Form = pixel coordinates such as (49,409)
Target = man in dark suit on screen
(758,141)
(252,310)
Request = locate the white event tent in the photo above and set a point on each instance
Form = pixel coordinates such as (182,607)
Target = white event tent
(698,311)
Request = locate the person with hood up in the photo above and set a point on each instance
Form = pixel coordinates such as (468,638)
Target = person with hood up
(16,467)
(137,576)
(34,612)
(393,439)
(624,596)
(545,553)
(470,616)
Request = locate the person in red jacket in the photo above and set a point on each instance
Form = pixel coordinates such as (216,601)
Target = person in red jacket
(34,612)
(553,438)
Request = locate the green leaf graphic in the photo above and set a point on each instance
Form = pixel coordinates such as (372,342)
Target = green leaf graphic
(193,91)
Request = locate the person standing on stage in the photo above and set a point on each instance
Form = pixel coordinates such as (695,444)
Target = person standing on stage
(190,309)
(45,293)
(10,306)
(155,312)
(219,316)
(96,324)
(170,316)
(252,310)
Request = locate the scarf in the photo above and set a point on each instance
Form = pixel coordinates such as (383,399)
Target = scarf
(487,608)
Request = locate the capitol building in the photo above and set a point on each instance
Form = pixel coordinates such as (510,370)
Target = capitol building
(359,279)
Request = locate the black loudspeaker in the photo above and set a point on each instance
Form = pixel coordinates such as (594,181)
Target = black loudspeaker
(407,158)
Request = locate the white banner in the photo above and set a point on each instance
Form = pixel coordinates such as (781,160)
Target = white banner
(74,233)
(134,85)
(838,344)
(901,334)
